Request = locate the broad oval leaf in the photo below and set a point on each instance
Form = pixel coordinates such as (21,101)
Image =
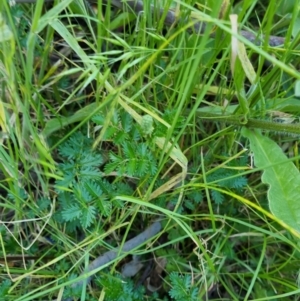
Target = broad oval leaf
(280,174)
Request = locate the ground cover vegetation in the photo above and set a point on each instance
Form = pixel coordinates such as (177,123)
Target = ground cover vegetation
(149,150)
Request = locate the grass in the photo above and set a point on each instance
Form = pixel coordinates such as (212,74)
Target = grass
(112,120)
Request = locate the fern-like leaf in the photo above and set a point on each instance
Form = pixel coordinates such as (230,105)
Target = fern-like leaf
(118,290)
(90,160)
(99,119)
(217,197)
(81,194)
(181,288)
(4,288)
(93,189)
(71,212)
(104,207)
(129,150)
(131,167)
(115,162)
(74,147)
(126,122)
(143,168)
(120,138)
(88,216)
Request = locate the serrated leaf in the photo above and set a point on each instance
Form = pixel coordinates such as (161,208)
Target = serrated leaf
(181,288)
(115,118)
(198,197)
(126,121)
(106,187)
(175,153)
(123,188)
(4,287)
(67,151)
(283,179)
(152,168)
(189,204)
(65,198)
(143,150)
(67,181)
(43,203)
(99,119)
(109,133)
(88,217)
(115,158)
(217,197)
(105,207)
(131,167)
(120,137)
(143,167)
(240,182)
(110,167)
(71,213)
(91,159)
(81,194)
(87,174)
(129,150)
(135,134)
(121,169)
(93,189)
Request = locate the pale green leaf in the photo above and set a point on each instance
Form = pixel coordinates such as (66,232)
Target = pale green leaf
(280,174)
(246,63)
(147,124)
(5,32)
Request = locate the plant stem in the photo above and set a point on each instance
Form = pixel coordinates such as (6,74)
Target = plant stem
(284,128)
